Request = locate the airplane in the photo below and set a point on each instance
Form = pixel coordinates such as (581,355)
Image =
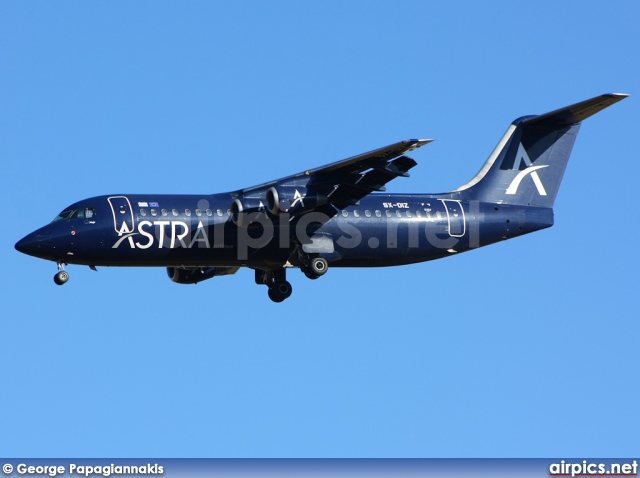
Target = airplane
(337,215)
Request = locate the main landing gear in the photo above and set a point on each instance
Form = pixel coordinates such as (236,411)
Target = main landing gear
(62,276)
(276,281)
(316,267)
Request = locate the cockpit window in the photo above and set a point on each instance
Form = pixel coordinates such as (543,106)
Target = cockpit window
(87,213)
(63,215)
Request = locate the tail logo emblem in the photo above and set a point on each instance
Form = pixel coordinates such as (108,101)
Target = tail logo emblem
(523,157)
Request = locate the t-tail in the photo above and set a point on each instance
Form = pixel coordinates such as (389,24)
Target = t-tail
(528,163)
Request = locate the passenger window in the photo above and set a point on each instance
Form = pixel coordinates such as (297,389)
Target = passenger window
(356,213)
(174,212)
(408,213)
(367,213)
(378,213)
(389,213)
(154,212)
(187,212)
(219,212)
(418,213)
(399,213)
(143,212)
(198,212)
(438,215)
(164,212)
(345,213)
(209,212)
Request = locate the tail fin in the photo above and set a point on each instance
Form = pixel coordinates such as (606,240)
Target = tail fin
(528,163)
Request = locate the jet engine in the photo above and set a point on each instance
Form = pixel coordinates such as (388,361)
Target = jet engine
(191,275)
(293,200)
(243,210)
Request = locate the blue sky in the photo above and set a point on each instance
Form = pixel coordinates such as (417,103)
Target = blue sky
(526,348)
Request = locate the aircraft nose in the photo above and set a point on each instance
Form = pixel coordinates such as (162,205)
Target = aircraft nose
(30,244)
(26,245)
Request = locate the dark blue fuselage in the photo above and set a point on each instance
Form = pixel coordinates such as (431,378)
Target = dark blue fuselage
(332,216)
(197,231)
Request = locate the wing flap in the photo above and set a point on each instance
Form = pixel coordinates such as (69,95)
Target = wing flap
(326,177)
(373,158)
(344,183)
(357,186)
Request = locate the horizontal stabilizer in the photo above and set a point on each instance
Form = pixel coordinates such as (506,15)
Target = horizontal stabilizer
(575,113)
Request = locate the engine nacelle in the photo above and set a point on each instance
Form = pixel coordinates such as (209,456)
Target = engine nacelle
(242,210)
(190,276)
(293,200)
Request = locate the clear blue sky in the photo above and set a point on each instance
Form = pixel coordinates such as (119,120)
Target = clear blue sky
(522,349)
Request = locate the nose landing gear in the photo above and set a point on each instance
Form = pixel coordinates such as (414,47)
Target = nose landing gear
(62,276)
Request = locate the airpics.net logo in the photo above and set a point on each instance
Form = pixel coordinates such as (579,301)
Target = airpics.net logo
(586,468)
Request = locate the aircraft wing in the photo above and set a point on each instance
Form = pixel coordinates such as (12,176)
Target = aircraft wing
(345,182)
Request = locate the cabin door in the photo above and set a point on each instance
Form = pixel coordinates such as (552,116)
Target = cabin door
(455,217)
(123,220)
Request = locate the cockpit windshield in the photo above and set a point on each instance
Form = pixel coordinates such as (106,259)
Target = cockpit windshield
(87,213)
(63,215)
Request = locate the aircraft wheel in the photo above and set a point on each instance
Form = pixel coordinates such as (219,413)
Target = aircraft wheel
(310,275)
(284,289)
(61,277)
(319,266)
(274,296)
(280,291)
